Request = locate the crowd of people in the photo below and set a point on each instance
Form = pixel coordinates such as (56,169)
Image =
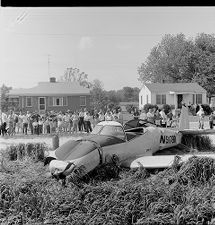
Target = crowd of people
(171,119)
(12,123)
(157,117)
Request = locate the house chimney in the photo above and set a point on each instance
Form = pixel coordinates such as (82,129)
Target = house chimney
(52,79)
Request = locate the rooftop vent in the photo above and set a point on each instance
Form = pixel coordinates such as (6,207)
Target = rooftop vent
(52,79)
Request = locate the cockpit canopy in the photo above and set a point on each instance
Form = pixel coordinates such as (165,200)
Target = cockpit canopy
(112,130)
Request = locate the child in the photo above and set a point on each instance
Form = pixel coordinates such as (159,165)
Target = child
(201,121)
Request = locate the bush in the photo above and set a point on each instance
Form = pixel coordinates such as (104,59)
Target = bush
(167,108)
(148,106)
(207,109)
(36,151)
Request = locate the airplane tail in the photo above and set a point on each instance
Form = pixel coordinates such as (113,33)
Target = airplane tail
(184,119)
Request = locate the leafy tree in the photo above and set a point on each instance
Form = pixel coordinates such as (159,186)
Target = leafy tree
(98,96)
(113,96)
(75,75)
(128,93)
(4,91)
(177,59)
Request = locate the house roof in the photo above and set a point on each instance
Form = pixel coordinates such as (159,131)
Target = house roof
(51,88)
(175,87)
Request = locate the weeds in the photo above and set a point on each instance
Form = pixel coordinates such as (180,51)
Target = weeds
(181,194)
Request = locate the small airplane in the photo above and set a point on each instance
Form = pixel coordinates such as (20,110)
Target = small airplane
(131,148)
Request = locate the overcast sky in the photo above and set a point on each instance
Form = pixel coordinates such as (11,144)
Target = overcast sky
(107,43)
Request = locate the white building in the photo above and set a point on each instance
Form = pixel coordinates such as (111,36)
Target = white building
(172,94)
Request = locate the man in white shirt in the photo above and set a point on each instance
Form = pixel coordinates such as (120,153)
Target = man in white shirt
(3,123)
(87,122)
(24,118)
(163,118)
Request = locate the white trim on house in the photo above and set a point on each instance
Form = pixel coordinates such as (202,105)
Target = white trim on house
(27,97)
(85,101)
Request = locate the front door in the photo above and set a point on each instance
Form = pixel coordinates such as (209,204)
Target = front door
(180,98)
(42,104)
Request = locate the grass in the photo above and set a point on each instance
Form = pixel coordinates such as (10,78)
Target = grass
(182,194)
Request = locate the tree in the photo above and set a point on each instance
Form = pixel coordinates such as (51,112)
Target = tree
(4,91)
(98,97)
(177,59)
(75,75)
(128,93)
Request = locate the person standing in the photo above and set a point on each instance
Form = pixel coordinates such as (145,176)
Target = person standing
(108,115)
(120,116)
(143,115)
(40,125)
(81,120)
(136,113)
(101,115)
(151,116)
(163,118)
(4,123)
(211,120)
(157,118)
(75,122)
(30,122)
(87,118)
(24,124)
(10,119)
(201,116)
(95,117)
(115,115)
(184,118)
(169,118)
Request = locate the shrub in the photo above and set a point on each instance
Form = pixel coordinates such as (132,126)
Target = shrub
(167,108)
(36,151)
(207,109)
(148,106)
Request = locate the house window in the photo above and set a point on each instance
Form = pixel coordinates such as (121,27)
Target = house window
(198,98)
(82,100)
(57,101)
(141,99)
(28,101)
(160,99)
(147,99)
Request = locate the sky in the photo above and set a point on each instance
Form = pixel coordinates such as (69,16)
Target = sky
(107,43)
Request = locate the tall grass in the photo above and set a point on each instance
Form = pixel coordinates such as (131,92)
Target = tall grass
(182,194)
(199,142)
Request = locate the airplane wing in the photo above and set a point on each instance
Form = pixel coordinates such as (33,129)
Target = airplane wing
(164,161)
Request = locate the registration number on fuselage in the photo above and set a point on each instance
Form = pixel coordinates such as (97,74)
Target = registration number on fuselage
(165,139)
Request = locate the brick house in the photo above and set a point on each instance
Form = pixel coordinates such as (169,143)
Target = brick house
(53,95)
(172,94)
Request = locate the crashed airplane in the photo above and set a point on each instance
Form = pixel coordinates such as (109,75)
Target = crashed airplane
(109,140)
